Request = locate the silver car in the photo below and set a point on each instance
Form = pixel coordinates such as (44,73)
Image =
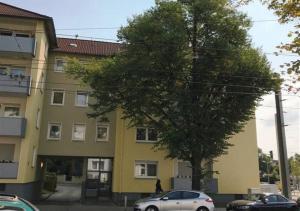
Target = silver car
(179,200)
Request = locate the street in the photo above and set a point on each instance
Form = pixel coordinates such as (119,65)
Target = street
(79,207)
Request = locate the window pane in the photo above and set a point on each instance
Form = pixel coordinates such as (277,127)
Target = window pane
(93,175)
(95,165)
(104,178)
(17,72)
(82,98)
(3,71)
(105,164)
(190,195)
(102,132)
(78,132)
(174,195)
(54,131)
(141,134)
(152,134)
(11,111)
(151,170)
(272,198)
(59,65)
(281,199)
(58,97)
(140,169)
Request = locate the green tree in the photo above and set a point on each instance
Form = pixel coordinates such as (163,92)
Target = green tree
(294,163)
(268,168)
(186,68)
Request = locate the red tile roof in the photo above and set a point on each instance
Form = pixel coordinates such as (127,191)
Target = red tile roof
(87,47)
(9,10)
(12,11)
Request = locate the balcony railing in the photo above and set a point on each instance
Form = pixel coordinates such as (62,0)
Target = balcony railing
(12,126)
(9,170)
(19,85)
(12,44)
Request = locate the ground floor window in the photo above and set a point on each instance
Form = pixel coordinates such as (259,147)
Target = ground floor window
(146,169)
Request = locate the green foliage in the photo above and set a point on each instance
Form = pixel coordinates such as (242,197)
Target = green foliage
(294,163)
(186,68)
(268,168)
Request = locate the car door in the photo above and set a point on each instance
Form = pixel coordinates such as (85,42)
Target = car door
(171,201)
(284,204)
(190,201)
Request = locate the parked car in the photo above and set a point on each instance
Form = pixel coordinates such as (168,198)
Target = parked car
(264,202)
(15,203)
(176,201)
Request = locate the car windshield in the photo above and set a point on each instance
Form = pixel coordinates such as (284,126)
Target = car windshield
(255,197)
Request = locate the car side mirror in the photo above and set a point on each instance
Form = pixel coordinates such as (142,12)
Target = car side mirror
(165,198)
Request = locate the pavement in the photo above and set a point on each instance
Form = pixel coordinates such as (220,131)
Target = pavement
(64,193)
(80,207)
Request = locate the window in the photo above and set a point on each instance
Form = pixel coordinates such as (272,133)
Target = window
(281,199)
(57,97)
(81,98)
(78,132)
(146,134)
(146,169)
(271,198)
(175,195)
(54,131)
(190,195)
(17,72)
(59,65)
(12,111)
(102,132)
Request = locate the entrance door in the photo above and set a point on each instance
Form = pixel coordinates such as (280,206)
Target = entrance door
(100,169)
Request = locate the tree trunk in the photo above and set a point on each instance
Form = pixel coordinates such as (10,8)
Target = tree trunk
(196,174)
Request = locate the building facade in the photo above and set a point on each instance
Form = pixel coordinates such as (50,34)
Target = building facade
(44,124)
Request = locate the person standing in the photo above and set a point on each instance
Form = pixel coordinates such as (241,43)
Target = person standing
(158,188)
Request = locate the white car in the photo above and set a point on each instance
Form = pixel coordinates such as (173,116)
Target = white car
(179,200)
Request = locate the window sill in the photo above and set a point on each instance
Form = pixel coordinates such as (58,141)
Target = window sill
(53,139)
(101,140)
(56,104)
(146,142)
(78,140)
(148,178)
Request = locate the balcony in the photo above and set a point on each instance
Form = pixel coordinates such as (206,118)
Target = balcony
(20,45)
(15,85)
(9,170)
(12,126)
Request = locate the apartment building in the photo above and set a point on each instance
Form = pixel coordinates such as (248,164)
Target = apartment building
(44,124)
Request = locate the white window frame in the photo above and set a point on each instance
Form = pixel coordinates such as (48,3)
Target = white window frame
(56,69)
(48,132)
(38,119)
(147,136)
(73,127)
(87,98)
(52,97)
(34,157)
(107,137)
(146,169)
(14,106)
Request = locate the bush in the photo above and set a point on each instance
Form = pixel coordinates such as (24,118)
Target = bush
(50,181)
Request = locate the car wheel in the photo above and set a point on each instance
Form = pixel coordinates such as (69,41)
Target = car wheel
(202,209)
(152,208)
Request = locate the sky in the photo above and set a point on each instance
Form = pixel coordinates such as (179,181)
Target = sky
(266,34)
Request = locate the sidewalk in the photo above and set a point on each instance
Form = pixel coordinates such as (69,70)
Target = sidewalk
(80,207)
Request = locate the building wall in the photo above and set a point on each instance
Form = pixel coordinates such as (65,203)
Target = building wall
(67,115)
(35,67)
(127,152)
(239,170)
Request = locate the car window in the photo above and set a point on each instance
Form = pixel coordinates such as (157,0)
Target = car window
(174,195)
(271,198)
(281,199)
(190,195)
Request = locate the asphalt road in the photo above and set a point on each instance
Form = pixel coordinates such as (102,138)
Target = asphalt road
(80,207)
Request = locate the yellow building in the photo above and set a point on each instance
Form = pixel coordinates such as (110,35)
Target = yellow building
(44,125)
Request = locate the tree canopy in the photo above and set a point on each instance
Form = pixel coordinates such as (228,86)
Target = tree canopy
(187,69)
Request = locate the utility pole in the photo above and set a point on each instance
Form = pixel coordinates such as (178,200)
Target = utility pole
(282,151)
